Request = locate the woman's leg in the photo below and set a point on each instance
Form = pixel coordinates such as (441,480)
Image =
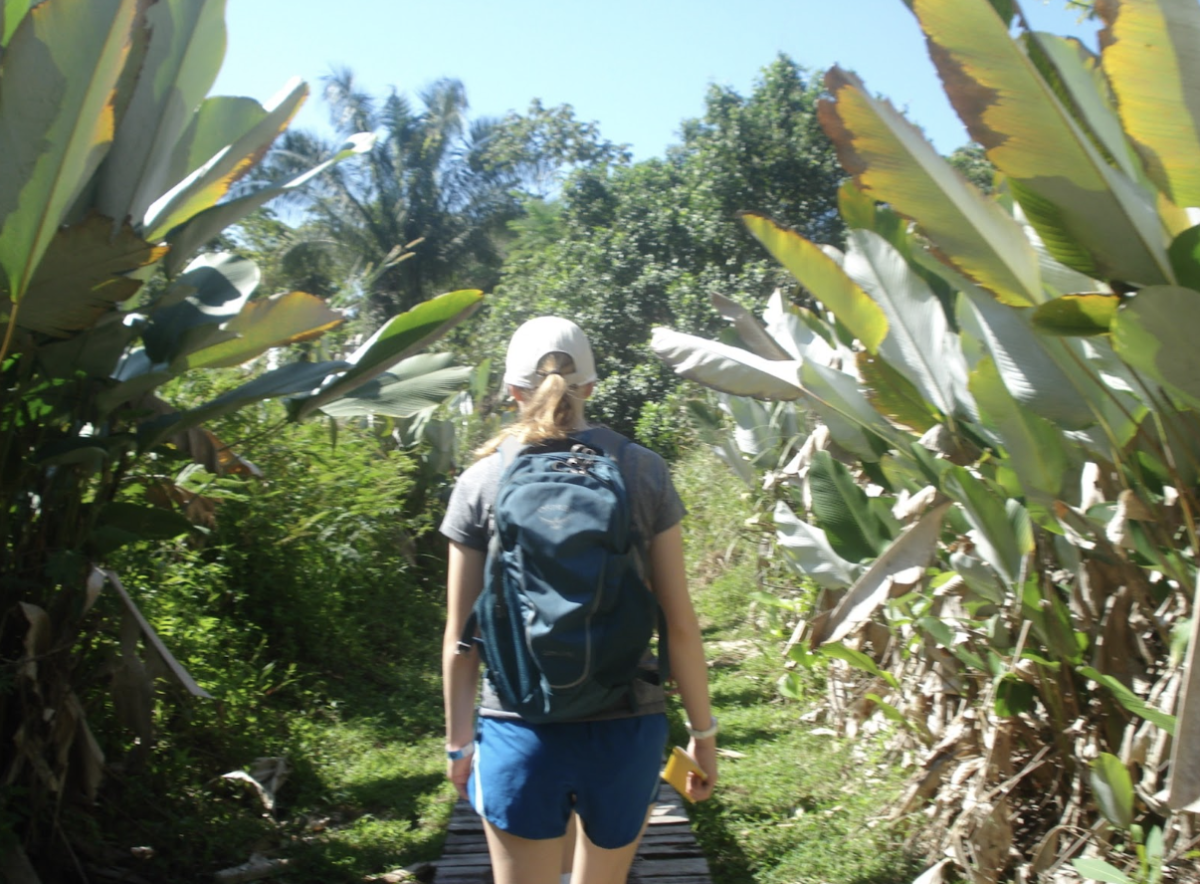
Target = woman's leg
(596,865)
(521,860)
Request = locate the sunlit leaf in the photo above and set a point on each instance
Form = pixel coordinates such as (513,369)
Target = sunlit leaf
(208,184)
(728,369)
(894,395)
(11,13)
(894,163)
(400,337)
(1113,788)
(1033,444)
(841,510)
(1131,701)
(853,422)
(1013,696)
(749,328)
(808,550)
(1090,215)
(1156,331)
(1090,867)
(821,275)
(999,540)
(265,323)
(1151,52)
(903,562)
(82,276)
(187,45)
(57,76)
(838,651)
(193,234)
(918,344)
(402,396)
(1077,315)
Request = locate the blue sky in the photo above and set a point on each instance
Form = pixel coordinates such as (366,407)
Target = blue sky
(636,67)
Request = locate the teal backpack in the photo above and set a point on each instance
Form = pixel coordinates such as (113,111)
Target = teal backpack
(564,619)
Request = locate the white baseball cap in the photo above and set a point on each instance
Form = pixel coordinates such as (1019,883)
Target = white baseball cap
(539,337)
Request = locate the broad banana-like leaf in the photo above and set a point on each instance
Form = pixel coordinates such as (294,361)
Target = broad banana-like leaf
(822,276)
(265,323)
(710,428)
(83,275)
(11,13)
(903,562)
(1032,444)
(1113,787)
(843,511)
(727,369)
(754,433)
(187,45)
(399,338)
(919,342)
(1184,787)
(419,382)
(220,120)
(1155,332)
(287,380)
(204,188)
(1003,532)
(807,548)
(853,423)
(57,77)
(191,236)
(1077,315)
(1090,215)
(750,329)
(802,335)
(892,161)
(218,285)
(1036,370)
(1151,51)
(894,396)
(1057,278)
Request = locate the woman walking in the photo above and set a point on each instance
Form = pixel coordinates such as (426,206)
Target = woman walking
(529,781)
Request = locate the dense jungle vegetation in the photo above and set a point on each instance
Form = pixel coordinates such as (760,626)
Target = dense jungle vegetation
(934,421)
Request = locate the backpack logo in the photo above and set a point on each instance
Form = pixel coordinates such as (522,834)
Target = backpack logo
(564,618)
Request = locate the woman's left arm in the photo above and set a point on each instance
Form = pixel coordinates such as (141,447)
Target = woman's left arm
(460,672)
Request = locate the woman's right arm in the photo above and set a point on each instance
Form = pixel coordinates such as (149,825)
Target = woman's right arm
(688,666)
(460,672)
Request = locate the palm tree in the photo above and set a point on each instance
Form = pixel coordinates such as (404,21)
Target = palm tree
(422,211)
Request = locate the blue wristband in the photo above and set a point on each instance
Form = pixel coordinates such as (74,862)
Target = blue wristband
(458,754)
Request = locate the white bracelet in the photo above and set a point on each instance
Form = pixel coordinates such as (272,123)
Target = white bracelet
(710,731)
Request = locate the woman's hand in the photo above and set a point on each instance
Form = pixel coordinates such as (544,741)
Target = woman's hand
(705,753)
(458,772)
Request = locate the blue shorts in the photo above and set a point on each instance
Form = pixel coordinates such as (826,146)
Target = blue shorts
(527,778)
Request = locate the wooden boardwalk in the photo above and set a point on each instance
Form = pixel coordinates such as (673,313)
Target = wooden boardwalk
(668,853)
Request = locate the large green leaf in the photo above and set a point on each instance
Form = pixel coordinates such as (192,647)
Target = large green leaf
(57,77)
(218,285)
(1003,532)
(894,396)
(808,550)
(1156,332)
(298,377)
(892,161)
(801,333)
(919,342)
(821,275)
(1090,215)
(727,369)
(268,322)
(1131,701)
(754,433)
(1151,53)
(193,234)
(83,275)
(187,45)
(1077,315)
(903,563)
(750,329)
(11,13)
(1041,373)
(417,383)
(1113,788)
(1032,444)
(1094,868)
(853,422)
(402,336)
(207,185)
(842,510)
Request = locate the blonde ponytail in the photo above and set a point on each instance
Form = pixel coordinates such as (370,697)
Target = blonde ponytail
(550,412)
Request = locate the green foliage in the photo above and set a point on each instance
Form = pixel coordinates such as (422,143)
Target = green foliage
(978,489)
(629,247)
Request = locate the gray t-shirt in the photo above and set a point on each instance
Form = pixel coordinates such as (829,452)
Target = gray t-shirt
(656,507)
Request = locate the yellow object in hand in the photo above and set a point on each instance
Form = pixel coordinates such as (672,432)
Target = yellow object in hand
(679,765)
